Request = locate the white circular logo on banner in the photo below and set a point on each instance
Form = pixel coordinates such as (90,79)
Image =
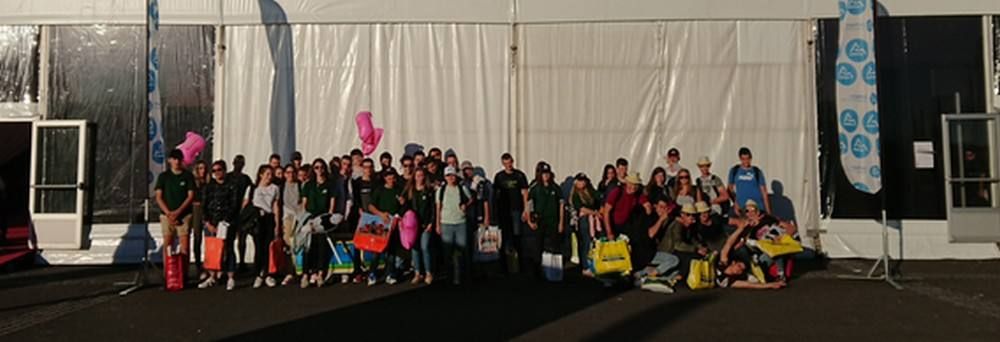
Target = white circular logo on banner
(846,74)
(849,120)
(856,7)
(857,50)
(871,122)
(861,147)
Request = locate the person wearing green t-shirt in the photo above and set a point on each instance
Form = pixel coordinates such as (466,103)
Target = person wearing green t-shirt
(386,202)
(174,195)
(318,198)
(546,220)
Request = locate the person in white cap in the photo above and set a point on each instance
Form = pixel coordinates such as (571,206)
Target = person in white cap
(673,164)
(452,201)
(712,186)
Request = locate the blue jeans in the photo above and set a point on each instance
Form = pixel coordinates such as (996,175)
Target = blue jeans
(423,261)
(393,262)
(455,236)
(665,262)
(583,240)
(766,261)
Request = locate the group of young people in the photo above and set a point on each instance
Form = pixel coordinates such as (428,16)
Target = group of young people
(674,218)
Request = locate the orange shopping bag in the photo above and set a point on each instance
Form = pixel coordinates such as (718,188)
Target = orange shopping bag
(277,257)
(213,253)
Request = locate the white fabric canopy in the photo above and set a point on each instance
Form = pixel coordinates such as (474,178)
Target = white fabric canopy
(594,92)
(587,94)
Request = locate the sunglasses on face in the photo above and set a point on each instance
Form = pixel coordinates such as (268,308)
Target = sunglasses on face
(684,177)
(216,170)
(317,167)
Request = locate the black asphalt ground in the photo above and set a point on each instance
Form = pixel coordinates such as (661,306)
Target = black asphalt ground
(942,301)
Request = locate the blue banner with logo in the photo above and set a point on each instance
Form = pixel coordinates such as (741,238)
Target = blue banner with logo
(157,155)
(857,98)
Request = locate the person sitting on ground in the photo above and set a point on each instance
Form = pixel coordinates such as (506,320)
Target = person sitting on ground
(710,226)
(756,225)
(659,271)
(682,239)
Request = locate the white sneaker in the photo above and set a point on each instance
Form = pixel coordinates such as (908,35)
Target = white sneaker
(258,282)
(208,282)
(344,279)
(390,280)
(230,284)
(304,283)
(656,286)
(271,282)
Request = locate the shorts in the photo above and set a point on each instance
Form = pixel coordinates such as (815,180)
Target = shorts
(170,228)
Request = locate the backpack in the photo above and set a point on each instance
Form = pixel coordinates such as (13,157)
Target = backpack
(463,194)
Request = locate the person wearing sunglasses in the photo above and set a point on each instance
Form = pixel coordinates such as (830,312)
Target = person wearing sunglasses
(752,226)
(222,203)
(318,198)
(683,191)
(406,168)
(201,178)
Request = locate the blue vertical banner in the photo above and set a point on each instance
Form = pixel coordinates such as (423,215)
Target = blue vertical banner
(157,156)
(857,97)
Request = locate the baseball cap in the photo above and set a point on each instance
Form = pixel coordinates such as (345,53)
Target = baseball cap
(450,171)
(673,152)
(466,165)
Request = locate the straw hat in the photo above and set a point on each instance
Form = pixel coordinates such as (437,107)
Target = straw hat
(752,203)
(702,207)
(688,208)
(704,161)
(633,179)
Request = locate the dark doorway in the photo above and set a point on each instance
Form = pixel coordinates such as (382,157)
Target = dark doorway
(15,169)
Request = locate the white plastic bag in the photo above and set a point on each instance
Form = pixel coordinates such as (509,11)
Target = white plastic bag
(552,266)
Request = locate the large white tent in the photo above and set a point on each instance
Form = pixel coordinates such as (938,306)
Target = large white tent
(577,83)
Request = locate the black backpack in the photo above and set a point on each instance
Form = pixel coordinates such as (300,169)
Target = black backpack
(464,197)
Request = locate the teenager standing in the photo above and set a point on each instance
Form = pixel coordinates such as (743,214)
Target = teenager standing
(222,202)
(453,200)
(264,197)
(420,198)
(510,186)
(174,195)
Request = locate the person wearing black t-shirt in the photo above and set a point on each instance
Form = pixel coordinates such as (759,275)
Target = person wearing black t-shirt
(242,182)
(510,188)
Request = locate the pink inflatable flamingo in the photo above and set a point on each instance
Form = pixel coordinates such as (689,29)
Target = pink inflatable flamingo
(191,147)
(409,229)
(369,135)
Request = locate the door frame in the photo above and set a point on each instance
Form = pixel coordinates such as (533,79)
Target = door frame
(78,215)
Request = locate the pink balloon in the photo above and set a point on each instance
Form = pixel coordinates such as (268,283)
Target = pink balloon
(191,147)
(369,135)
(408,229)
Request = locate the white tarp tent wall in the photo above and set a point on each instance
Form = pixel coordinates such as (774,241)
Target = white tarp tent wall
(575,82)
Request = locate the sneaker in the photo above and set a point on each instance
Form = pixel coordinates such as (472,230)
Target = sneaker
(587,273)
(656,286)
(429,279)
(390,280)
(372,280)
(304,283)
(288,280)
(208,282)
(344,279)
(230,284)
(257,282)
(271,282)
(416,279)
